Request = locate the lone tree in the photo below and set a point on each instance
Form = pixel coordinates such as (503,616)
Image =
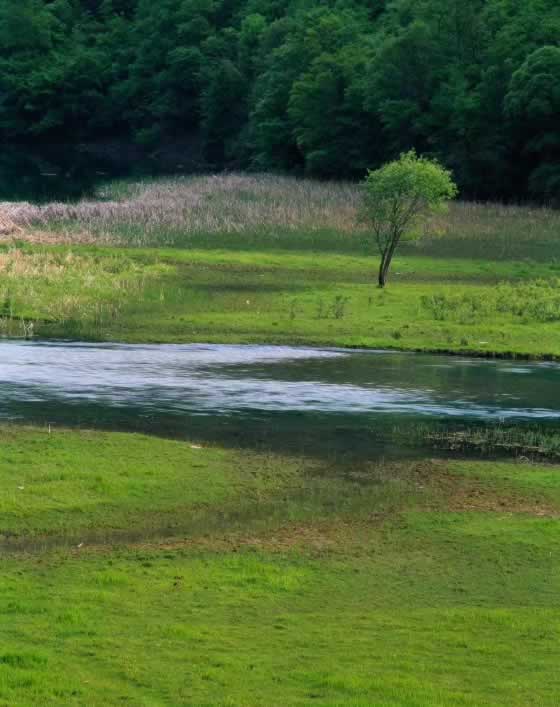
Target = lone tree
(400,197)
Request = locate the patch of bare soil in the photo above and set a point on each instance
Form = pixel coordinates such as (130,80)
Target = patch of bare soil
(464,494)
(315,538)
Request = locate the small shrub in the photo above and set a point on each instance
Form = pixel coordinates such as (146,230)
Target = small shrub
(534,301)
(338,307)
(294,309)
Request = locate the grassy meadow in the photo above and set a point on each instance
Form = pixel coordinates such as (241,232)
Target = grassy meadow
(153,572)
(270,259)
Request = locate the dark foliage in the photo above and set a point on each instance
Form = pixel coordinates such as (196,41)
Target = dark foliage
(328,87)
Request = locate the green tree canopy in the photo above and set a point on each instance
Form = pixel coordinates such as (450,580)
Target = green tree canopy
(399,198)
(533,106)
(325,88)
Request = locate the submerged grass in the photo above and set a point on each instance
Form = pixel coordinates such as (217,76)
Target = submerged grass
(416,583)
(528,442)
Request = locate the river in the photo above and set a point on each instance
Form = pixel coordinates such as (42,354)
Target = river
(290,397)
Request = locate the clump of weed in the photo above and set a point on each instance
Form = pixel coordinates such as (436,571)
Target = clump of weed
(533,301)
(466,308)
(322,311)
(338,307)
(294,309)
(335,310)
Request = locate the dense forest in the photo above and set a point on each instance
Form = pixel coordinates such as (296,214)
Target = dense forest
(322,87)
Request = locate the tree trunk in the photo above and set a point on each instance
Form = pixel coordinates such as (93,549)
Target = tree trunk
(384,269)
(382,273)
(386,259)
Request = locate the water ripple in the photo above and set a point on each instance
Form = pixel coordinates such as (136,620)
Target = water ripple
(216,380)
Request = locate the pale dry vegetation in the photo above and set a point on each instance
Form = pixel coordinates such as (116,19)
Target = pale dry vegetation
(160,209)
(7,226)
(262,211)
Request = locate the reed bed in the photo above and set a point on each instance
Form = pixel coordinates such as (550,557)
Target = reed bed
(267,211)
(161,211)
(531,441)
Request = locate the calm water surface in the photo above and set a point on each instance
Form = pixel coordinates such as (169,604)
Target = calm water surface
(253,395)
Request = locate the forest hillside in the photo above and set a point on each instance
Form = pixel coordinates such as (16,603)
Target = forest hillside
(328,88)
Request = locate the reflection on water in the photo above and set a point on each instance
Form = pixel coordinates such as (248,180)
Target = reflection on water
(253,393)
(64,172)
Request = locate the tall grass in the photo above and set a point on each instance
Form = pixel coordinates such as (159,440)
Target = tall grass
(267,211)
(176,211)
(67,290)
(521,441)
(496,231)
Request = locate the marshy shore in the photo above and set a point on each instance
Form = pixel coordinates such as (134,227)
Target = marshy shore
(265,259)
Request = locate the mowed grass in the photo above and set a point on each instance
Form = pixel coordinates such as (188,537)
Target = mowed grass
(417,583)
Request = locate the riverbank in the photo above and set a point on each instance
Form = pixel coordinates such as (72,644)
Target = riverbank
(263,259)
(505,309)
(161,572)
(260,570)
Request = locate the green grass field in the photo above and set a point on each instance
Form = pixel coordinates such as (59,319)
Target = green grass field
(127,577)
(151,572)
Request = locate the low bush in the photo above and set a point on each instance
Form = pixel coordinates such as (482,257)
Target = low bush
(533,301)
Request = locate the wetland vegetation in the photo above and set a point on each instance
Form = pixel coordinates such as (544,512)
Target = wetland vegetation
(226,570)
(208,523)
(229,568)
(272,259)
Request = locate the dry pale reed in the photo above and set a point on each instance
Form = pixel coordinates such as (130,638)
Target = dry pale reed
(210,204)
(184,210)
